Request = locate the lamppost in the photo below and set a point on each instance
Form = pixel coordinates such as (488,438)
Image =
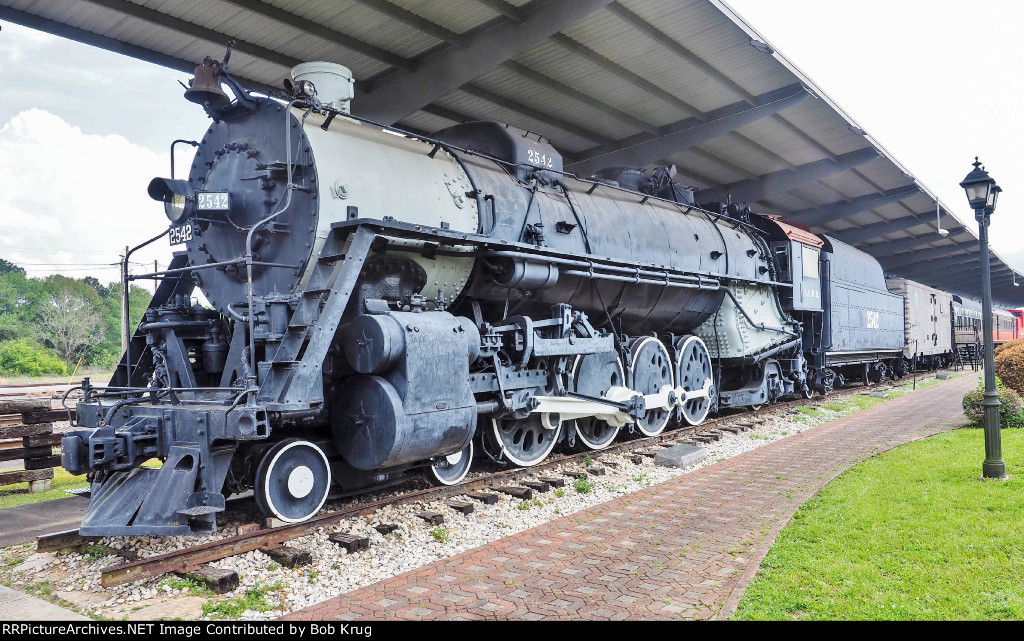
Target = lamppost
(982,194)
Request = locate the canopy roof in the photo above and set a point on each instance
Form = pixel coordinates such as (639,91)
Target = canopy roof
(609,83)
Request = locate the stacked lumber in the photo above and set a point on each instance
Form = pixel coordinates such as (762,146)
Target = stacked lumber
(36,431)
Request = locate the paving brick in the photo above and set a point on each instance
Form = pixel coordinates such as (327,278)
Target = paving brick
(620,559)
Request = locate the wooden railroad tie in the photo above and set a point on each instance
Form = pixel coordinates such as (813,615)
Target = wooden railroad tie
(636,459)
(22,476)
(733,429)
(220,581)
(23,405)
(432,518)
(24,453)
(596,470)
(537,486)
(41,440)
(463,507)
(648,453)
(248,528)
(351,542)
(521,493)
(287,556)
(66,540)
(45,416)
(385,528)
(484,497)
(553,481)
(21,431)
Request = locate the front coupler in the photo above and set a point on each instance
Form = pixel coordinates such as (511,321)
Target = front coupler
(195,444)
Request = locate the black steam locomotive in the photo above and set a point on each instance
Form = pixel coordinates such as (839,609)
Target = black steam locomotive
(386,304)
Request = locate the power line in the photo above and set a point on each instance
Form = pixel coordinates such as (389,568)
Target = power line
(74,269)
(81,264)
(51,250)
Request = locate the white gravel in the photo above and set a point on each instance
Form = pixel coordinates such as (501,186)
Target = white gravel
(412,545)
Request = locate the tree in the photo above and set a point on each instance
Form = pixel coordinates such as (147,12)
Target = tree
(7,267)
(69,323)
(95,283)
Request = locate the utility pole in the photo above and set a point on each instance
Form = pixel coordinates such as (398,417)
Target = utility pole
(124,297)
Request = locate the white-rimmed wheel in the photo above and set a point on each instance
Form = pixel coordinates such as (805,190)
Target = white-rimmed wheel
(523,442)
(453,468)
(693,368)
(593,375)
(651,368)
(292,481)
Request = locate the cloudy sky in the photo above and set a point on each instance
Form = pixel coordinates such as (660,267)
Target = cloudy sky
(83,130)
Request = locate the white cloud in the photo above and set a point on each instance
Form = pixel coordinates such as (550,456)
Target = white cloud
(17,42)
(70,201)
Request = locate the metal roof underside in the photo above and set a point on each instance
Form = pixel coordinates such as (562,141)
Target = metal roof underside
(609,83)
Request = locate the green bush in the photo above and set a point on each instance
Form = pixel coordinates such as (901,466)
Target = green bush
(1010,366)
(106,359)
(1011,408)
(28,358)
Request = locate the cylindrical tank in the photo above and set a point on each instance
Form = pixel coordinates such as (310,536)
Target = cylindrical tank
(350,170)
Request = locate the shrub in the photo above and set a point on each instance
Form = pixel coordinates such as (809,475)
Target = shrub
(1010,407)
(106,359)
(1010,366)
(28,358)
(1009,345)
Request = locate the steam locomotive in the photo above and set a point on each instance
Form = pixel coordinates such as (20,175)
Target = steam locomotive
(384,304)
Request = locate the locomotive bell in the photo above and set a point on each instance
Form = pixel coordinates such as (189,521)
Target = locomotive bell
(205,88)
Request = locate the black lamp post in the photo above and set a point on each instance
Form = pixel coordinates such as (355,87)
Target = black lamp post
(982,194)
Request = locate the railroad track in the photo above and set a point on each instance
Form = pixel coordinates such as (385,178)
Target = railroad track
(190,559)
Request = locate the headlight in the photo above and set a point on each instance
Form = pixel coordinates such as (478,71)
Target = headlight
(176,195)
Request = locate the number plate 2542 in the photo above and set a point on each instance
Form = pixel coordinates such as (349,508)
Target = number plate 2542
(180,234)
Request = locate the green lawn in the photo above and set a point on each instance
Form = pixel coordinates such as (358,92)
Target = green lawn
(17,494)
(911,534)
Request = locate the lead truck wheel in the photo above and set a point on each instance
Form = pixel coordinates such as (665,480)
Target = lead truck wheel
(451,469)
(292,481)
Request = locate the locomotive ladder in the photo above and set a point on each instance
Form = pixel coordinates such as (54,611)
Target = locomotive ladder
(295,379)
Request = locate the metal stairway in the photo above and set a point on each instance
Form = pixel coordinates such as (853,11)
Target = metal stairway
(294,380)
(967,354)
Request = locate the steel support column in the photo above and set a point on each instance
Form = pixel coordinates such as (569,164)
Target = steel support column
(855,235)
(842,209)
(750,191)
(399,94)
(927,256)
(639,150)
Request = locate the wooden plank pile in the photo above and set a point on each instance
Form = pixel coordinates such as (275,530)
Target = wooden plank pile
(36,431)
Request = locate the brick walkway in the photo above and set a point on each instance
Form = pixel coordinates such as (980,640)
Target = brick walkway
(685,548)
